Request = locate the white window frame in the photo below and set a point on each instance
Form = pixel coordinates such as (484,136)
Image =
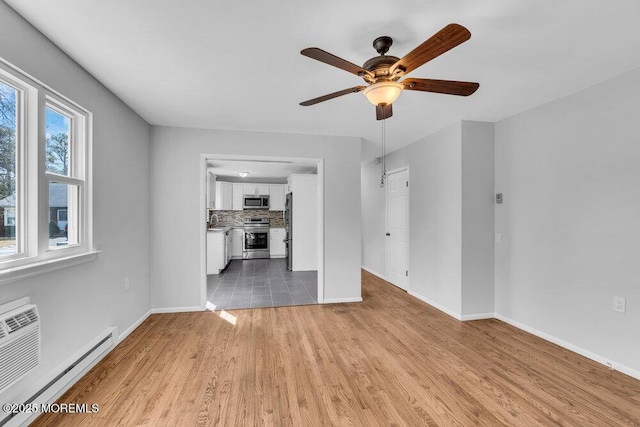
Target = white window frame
(76,175)
(34,256)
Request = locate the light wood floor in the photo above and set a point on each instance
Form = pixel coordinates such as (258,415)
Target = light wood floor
(390,360)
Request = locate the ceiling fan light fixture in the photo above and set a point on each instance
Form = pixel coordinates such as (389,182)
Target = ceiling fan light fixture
(383,93)
(243,174)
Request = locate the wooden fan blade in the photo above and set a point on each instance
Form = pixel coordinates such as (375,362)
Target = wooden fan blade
(447,38)
(328,58)
(449,87)
(384,112)
(332,95)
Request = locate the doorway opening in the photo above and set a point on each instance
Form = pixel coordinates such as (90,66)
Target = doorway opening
(263,244)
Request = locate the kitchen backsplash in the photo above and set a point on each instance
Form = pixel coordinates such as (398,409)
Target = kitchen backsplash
(236,218)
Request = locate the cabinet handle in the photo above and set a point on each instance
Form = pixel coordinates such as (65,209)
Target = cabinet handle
(388,234)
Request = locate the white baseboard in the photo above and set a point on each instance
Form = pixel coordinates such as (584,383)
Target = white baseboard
(478,316)
(341,300)
(581,351)
(374,273)
(436,305)
(134,326)
(177,309)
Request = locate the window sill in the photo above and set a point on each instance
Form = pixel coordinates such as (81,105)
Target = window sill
(14,274)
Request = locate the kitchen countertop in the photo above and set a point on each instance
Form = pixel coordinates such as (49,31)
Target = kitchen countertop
(220,229)
(239,227)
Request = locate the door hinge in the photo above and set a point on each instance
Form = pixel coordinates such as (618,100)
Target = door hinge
(407,183)
(406,273)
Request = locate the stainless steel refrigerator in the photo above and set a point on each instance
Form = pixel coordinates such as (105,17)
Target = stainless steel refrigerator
(288,239)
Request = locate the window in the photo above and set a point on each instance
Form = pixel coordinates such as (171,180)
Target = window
(64,174)
(45,196)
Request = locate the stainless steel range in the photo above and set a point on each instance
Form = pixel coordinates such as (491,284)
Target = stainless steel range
(256,238)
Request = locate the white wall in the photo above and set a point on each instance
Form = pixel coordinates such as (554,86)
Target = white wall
(176,201)
(450,214)
(477,219)
(78,303)
(570,222)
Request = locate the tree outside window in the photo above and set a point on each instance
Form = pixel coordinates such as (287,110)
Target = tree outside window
(7,168)
(58,128)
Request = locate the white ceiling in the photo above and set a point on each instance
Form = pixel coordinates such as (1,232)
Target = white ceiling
(260,169)
(236,64)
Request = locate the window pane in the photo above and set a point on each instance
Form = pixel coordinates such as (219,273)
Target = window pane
(58,135)
(63,214)
(8,131)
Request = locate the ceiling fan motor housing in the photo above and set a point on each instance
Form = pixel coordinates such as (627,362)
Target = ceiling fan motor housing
(380,65)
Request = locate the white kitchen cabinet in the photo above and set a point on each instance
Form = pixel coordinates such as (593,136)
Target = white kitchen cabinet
(237,240)
(276,197)
(228,247)
(276,242)
(224,196)
(238,197)
(256,189)
(216,251)
(211,190)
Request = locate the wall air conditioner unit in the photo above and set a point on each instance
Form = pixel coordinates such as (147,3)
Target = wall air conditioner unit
(19,344)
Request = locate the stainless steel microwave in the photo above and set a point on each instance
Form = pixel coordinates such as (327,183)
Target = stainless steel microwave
(255,202)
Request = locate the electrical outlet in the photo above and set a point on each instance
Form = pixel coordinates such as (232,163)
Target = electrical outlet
(620,304)
(126,284)
(498,238)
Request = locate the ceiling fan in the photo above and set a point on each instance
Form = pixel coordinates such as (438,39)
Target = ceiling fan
(383,72)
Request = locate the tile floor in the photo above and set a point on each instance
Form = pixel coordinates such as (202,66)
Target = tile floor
(261,283)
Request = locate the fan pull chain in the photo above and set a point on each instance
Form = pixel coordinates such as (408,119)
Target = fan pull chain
(384,166)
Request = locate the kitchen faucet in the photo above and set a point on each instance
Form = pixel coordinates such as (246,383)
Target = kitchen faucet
(216,217)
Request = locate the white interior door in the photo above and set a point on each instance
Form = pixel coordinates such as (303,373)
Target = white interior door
(398,228)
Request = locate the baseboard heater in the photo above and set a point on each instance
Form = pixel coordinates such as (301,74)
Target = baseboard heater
(77,365)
